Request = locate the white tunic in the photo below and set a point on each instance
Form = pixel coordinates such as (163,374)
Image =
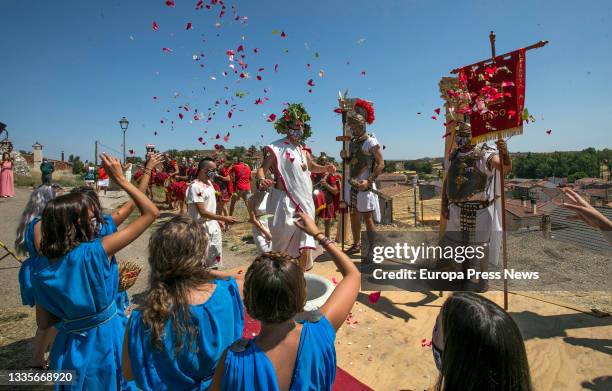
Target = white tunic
(261,242)
(292,167)
(200,192)
(367,201)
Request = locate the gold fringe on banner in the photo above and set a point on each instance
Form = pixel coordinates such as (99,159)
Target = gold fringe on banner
(494,135)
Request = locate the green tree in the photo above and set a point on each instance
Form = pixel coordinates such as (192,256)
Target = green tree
(78,167)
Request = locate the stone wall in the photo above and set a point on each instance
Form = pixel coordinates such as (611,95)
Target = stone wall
(21,167)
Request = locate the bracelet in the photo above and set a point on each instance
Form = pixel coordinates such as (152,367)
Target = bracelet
(324,241)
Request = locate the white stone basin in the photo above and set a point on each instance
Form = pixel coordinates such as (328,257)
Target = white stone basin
(319,289)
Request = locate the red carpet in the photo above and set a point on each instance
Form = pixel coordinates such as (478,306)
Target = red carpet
(344,381)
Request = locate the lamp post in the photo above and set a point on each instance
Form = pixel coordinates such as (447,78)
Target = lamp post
(123,122)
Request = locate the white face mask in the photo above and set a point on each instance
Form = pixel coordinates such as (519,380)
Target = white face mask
(295,133)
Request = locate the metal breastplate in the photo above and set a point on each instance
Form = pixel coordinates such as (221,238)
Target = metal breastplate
(359,160)
(464,179)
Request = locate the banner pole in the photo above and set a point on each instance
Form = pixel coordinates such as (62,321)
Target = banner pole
(503,196)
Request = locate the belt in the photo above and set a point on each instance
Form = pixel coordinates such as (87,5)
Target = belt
(88,322)
(475,204)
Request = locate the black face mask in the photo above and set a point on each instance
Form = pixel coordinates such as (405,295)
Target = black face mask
(96,226)
(437,355)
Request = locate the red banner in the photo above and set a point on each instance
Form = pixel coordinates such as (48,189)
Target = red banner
(497,92)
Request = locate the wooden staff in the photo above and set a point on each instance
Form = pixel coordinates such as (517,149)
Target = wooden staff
(343,138)
(503,196)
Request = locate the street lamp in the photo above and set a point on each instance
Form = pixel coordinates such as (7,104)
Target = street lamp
(123,122)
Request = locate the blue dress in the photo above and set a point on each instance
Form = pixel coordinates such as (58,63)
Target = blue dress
(109,227)
(27,266)
(247,367)
(219,321)
(80,288)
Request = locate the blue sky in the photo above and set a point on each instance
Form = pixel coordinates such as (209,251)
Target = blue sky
(71,69)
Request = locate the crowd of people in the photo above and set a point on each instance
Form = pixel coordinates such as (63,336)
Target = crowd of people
(188,333)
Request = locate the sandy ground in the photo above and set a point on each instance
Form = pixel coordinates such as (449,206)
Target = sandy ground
(567,349)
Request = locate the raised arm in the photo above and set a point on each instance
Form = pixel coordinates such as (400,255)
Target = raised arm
(126,209)
(341,301)
(148,211)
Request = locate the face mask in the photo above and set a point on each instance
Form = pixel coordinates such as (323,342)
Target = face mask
(437,355)
(462,141)
(212,174)
(295,133)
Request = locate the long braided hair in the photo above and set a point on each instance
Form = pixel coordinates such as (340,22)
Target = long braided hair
(177,256)
(274,288)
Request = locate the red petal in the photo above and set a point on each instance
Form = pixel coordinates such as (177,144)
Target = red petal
(217,136)
(283,35)
(275,67)
(181,115)
(229,114)
(310,83)
(272,118)
(437,111)
(167,50)
(131,151)
(549,131)
(434,117)
(338,110)
(200,139)
(170,3)
(155,26)
(374,297)
(240,48)
(189,26)
(258,77)
(256,50)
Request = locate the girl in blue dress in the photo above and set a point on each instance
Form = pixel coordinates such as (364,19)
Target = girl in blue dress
(76,281)
(28,242)
(109,223)
(288,355)
(189,317)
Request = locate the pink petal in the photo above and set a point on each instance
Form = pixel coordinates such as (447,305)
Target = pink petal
(276,68)
(166,50)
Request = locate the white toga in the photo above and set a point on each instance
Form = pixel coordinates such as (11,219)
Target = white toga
(292,167)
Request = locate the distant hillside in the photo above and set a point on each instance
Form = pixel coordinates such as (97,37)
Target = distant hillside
(565,164)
